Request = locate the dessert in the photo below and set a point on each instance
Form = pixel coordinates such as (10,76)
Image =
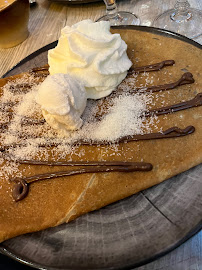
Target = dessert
(105,169)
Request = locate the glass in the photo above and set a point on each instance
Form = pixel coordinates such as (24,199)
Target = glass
(14,16)
(182,20)
(116,17)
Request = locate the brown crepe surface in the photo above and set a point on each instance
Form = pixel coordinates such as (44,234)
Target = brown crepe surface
(52,202)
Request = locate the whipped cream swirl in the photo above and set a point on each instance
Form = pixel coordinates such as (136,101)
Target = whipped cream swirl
(93,55)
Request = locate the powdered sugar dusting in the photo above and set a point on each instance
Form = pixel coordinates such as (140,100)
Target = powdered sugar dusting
(27,136)
(124,117)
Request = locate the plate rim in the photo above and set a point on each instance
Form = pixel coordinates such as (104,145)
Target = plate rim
(191,233)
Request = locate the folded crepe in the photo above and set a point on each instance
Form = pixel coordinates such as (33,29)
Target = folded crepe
(61,199)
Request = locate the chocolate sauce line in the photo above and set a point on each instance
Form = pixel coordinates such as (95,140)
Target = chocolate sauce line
(4,125)
(6,106)
(77,163)
(21,185)
(195,102)
(147,68)
(38,69)
(172,132)
(187,78)
(152,67)
(42,72)
(21,88)
(169,133)
(27,121)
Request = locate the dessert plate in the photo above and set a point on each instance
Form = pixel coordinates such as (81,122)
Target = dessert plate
(123,235)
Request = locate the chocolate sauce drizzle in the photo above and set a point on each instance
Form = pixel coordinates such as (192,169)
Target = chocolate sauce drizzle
(4,126)
(20,88)
(187,78)
(21,185)
(147,68)
(195,102)
(20,190)
(152,67)
(7,106)
(38,69)
(169,133)
(27,121)
(172,132)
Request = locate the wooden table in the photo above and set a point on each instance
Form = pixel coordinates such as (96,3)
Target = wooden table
(46,20)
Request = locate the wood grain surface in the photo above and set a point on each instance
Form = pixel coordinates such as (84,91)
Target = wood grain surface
(46,21)
(48,17)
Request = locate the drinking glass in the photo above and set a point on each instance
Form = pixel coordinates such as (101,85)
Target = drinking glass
(116,17)
(182,20)
(14,17)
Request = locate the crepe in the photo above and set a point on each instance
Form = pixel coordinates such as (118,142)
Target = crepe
(59,200)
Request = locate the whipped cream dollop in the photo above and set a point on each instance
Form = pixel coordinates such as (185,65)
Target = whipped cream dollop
(63,100)
(93,55)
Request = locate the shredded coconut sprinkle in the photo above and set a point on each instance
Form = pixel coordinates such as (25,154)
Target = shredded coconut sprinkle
(28,136)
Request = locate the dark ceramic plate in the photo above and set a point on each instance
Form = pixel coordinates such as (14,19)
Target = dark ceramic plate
(123,235)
